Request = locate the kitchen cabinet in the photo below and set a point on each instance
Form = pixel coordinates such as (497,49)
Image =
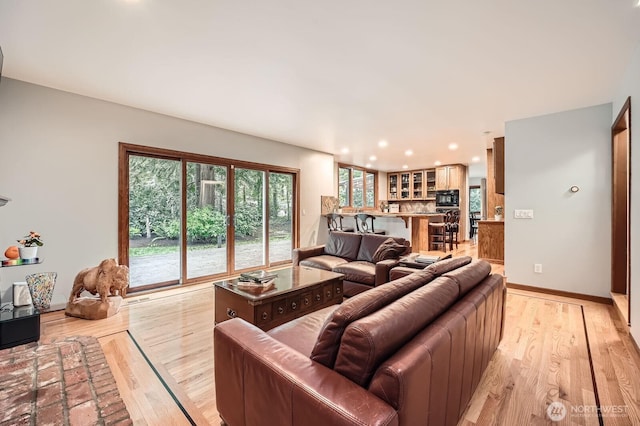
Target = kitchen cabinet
(405,186)
(430,179)
(392,179)
(449,177)
(491,240)
(417,185)
(400,186)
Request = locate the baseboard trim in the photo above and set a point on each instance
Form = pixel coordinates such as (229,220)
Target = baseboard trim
(597,299)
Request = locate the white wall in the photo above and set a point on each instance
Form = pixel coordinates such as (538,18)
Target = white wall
(59,164)
(570,233)
(630,86)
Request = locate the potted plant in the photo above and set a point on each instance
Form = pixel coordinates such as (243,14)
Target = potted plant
(29,245)
(498,215)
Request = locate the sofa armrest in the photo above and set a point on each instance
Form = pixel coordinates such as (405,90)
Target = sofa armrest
(260,380)
(305,252)
(401,271)
(383,268)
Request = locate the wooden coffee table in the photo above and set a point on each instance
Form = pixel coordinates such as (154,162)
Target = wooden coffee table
(296,291)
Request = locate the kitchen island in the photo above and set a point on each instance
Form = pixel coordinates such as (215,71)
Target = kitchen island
(410,226)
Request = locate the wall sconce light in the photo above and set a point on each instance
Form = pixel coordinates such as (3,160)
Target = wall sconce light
(4,200)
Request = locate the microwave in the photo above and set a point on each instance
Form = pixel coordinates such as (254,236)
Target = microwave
(450,198)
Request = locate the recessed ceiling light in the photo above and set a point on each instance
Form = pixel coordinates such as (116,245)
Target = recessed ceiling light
(453,146)
(382,143)
(405,166)
(345,150)
(475,159)
(373,158)
(408,153)
(437,163)
(368,165)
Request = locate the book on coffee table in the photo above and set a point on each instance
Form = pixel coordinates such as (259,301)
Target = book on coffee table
(261,276)
(426,259)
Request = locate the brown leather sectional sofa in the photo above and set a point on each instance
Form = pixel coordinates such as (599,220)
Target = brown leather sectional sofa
(410,352)
(351,254)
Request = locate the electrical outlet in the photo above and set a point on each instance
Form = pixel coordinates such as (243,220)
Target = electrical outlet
(537,268)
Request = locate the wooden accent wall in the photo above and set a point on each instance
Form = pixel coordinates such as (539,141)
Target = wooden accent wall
(498,164)
(493,199)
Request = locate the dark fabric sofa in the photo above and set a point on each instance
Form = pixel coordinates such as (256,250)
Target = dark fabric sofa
(352,254)
(409,352)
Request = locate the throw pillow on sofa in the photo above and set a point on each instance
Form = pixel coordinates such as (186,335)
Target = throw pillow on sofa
(389,249)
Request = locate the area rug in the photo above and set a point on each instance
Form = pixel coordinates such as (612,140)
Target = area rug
(65,381)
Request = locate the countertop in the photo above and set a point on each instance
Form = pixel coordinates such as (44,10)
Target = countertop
(492,221)
(401,214)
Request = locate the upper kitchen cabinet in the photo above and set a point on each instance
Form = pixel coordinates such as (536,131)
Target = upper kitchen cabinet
(430,178)
(399,186)
(449,177)
(392,179)
(498,164)
(405,186)
(417,185)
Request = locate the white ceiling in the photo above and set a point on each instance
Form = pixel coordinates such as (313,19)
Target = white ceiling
(330,74)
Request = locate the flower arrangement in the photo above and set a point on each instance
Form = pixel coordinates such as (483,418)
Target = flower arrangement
(31,240)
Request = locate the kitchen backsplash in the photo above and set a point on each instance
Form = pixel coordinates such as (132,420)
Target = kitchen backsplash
(417,206)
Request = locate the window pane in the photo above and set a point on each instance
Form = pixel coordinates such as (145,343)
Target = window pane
(475,200)
(343,186)
(280,216)
(154,220)
(370,198)
(206,220)
(358,188)
(249,218)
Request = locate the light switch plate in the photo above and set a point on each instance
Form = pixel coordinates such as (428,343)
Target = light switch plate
(523,214)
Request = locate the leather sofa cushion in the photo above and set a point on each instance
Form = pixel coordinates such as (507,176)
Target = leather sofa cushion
(371,242)
(469,276)
(343,244)
(358,271)
(326,347)
(325,262)
(369,341)
(301,333)
(447,265)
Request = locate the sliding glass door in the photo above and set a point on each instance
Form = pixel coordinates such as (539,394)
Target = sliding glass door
(281,216)
(206,220)
(154,221)
(185,218)
(249,219)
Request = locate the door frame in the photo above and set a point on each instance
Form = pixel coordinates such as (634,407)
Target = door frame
(621,205)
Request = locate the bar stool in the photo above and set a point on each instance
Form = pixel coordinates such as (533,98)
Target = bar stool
(364,224)
(334,223)
(437,236)
(452,227)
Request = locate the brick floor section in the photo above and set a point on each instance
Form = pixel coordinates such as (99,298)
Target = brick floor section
(64,382)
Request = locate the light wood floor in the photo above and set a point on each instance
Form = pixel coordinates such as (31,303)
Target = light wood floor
(160,349)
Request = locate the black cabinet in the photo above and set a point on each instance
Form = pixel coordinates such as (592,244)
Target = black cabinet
(19,326)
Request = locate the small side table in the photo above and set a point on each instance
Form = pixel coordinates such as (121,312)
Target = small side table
(18,326)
